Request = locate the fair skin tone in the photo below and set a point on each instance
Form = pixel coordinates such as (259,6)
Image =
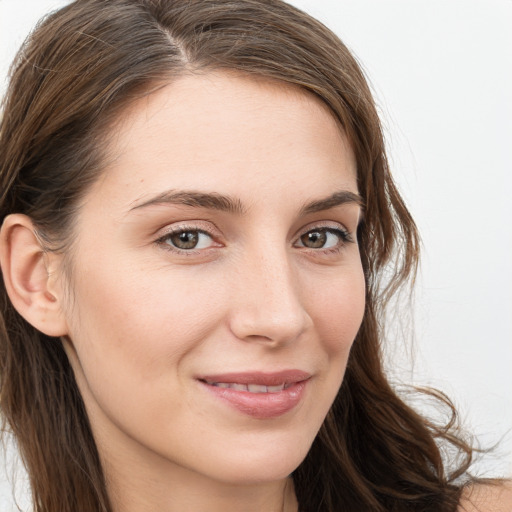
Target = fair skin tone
(270,281)
(221,238)
(487,498)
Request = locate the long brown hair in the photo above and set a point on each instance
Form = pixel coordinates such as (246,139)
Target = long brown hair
(69,84)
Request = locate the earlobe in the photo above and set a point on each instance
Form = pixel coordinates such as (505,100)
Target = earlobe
(27,273)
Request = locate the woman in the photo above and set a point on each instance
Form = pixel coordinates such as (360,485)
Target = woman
(197,212)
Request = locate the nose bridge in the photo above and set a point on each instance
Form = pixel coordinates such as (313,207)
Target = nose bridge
(268,304)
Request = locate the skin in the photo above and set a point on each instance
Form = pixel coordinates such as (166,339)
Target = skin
(146,320)
(496,497)
(140,320)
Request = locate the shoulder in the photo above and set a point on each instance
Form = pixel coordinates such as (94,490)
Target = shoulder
(487,497)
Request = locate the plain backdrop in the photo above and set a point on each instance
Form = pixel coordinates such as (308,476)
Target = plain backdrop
(441,71)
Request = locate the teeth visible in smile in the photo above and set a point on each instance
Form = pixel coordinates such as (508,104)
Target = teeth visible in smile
(251,388)
(275,389)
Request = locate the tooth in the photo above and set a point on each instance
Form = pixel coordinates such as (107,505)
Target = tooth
(257,388)
(275,389)
(238,387)
(222,385)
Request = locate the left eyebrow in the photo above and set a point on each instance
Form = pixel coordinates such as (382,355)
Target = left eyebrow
(338,198)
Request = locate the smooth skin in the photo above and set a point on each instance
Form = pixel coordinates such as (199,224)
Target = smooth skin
(158,293)
(220,238)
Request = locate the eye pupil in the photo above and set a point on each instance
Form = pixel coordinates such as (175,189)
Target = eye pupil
(185,239)
(314,239)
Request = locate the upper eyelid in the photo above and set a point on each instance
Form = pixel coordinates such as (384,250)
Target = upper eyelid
(334,225)
(197,226)
(215,233)
(188,225)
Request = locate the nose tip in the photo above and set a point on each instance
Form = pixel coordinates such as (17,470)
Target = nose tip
(268,308)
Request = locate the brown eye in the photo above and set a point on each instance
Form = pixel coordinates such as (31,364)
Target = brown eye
(314,239)
(324,238)
(188,239)
(185,239)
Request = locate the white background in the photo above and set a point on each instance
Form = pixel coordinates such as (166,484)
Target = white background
(441,71)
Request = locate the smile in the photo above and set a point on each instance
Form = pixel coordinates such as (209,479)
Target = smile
(260,395)
(251,388)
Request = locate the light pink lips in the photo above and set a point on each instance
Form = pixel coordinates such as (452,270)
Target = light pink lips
(259,394)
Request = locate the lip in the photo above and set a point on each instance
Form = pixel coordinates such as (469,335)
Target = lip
(259,405)
(258,377)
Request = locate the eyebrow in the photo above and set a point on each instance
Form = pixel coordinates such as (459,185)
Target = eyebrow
(336,199)
(216,201)
(209,200)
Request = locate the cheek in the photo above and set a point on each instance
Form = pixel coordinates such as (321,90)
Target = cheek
(338,309)
(125,320)
(133,337)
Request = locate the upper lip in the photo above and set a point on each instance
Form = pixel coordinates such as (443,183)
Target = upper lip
(258,377)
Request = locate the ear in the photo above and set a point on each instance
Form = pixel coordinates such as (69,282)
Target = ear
(30,276)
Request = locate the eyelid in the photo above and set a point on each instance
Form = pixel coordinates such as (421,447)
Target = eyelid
(327,225)
(184,226)
(202,226)
(344,235)
(209,229)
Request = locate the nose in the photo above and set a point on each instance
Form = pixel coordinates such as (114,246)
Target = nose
(267,306)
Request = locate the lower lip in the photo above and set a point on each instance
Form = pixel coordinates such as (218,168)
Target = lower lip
(261,405)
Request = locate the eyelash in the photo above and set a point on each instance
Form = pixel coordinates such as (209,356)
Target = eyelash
(163,240)
(344,238)
(343,235)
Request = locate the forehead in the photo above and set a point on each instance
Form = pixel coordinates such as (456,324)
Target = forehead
(230,131)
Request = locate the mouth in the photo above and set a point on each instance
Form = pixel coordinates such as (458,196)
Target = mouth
(251,388)
(261,395)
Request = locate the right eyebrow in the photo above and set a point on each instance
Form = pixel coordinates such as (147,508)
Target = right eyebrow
(336,199)
(210,200)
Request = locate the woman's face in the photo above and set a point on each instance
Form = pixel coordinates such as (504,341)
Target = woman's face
(217,286)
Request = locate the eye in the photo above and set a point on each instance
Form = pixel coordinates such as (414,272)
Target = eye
(187,239)
(323,238)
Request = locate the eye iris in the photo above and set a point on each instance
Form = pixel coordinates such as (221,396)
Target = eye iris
(185,239)
(314,239)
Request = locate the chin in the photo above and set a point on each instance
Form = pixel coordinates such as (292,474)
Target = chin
(259,465)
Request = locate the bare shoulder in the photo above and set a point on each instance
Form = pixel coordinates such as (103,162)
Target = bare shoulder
(487,497)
